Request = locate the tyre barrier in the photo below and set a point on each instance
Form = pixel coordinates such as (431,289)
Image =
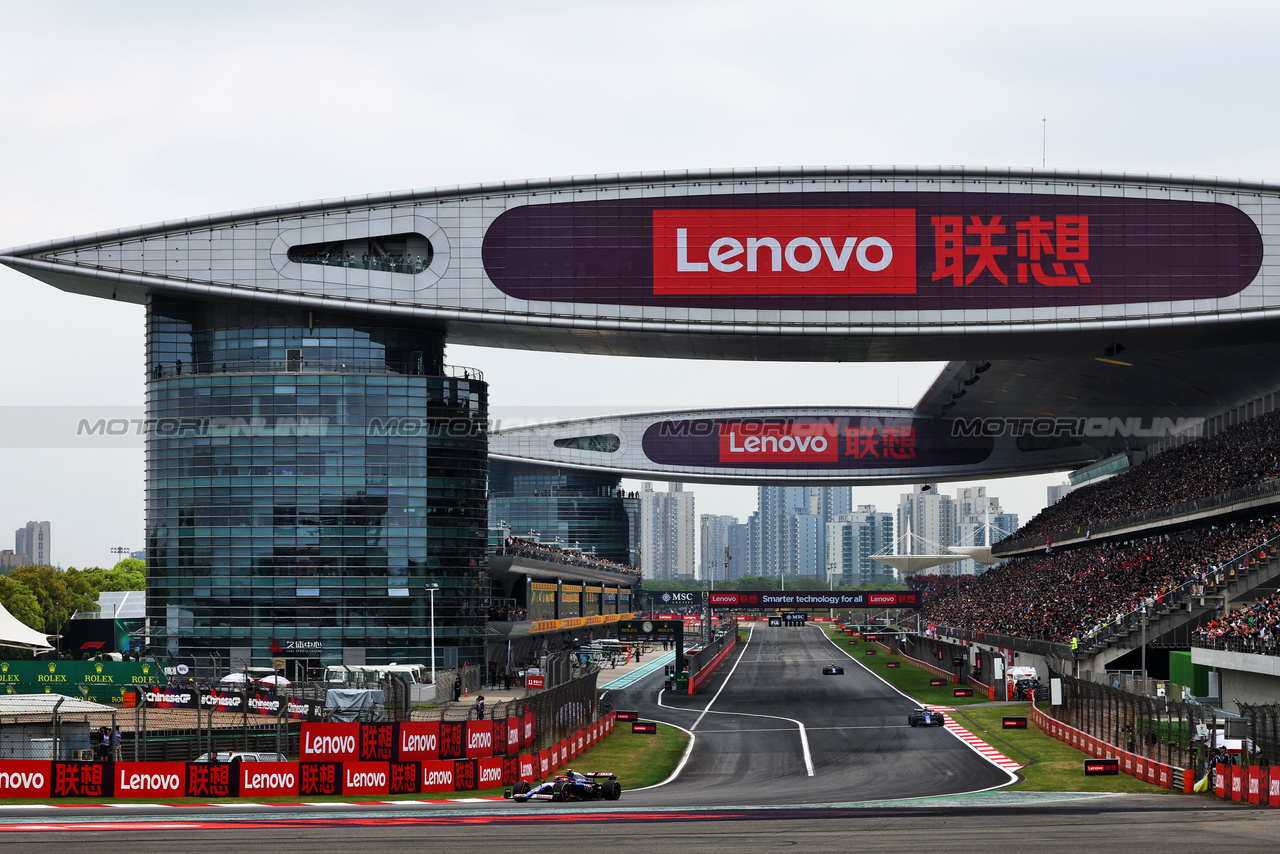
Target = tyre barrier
(336,763)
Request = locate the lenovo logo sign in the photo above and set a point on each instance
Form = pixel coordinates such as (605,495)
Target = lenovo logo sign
(819,251)
(757,442)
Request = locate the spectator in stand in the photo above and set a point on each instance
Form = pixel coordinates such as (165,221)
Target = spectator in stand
(1242,455)
(1084,591)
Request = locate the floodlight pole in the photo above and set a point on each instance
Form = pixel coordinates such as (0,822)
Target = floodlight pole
(431,592)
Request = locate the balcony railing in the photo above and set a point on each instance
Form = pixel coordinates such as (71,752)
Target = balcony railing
(300,365)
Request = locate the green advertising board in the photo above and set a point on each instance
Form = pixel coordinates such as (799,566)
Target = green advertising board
(100,681)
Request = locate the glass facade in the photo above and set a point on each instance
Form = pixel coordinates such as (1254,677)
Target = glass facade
(566,507)
(307,475)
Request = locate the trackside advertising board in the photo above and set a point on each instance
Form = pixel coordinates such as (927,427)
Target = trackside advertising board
(814,599)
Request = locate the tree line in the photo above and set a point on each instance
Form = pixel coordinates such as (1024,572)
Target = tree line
(44,598)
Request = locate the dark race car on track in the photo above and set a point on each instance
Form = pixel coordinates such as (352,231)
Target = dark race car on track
(569,786)
(833,670)
(925,717)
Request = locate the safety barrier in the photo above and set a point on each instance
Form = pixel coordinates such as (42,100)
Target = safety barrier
(1149,770)
(1258,785)
(923,665)
(989,690)
(705,672)
(338,759)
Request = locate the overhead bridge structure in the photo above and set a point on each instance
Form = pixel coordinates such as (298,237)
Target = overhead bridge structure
(1081,315)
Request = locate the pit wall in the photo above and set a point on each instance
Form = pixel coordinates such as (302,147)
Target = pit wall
(338,759)
(1139,767)
(704,665)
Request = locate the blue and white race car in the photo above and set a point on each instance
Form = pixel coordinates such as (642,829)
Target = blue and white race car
(926,717)
(569,786)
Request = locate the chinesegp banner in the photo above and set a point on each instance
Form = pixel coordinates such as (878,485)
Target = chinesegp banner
(418,741)
(150,779)
(168,697)
(815,599)
(25,778)
(215,779)
(269,779)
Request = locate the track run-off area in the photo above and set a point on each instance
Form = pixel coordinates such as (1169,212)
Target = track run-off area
(779,752)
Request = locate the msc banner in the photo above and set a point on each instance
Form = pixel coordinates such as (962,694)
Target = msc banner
(814,599)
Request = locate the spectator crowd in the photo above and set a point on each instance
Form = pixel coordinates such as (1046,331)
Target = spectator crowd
(1081,592)
(1251,628)
(1241,455)
(555,554)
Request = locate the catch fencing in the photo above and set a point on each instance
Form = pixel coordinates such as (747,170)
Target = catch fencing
(1181,734)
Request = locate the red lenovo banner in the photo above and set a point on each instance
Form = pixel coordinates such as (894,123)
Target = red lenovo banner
(1273,786)
(214,780)
(406,778)
(330,741)
(544,762)
(453,736)
(81,780)
(150,779)
(437,776)
(319,778)
(418,741)
(813,251)
(530,727)
(479,739)
(513,727)
(1220,775)
(268,779)
(377,742)
(365,778)
(528,764)
(1255,784)
(490,773)
(25,778)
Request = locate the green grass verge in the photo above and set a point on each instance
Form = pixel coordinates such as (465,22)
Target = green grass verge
(638,760)
(908,678)
(1051,766)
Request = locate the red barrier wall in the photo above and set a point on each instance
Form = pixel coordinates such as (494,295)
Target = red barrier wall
(700,678)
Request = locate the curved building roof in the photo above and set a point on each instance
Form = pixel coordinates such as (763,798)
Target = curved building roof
(1062,295)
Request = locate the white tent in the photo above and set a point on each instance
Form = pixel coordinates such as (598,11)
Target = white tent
(15,633)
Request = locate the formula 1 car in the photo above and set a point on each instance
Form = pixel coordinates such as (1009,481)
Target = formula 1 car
(569,786)
(925,717)
(833,670)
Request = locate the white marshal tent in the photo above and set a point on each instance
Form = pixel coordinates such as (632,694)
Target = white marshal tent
(15,633)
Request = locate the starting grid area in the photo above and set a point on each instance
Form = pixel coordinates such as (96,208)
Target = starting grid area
(633,676)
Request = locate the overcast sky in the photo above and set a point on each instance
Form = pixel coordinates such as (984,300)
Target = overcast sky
(115,114)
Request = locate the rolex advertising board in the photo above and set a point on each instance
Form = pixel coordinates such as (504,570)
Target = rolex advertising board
(101,681)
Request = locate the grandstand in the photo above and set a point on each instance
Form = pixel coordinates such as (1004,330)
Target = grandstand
(1110,580)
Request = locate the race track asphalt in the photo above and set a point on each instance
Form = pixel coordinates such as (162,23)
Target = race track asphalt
(875,782)
(749,750)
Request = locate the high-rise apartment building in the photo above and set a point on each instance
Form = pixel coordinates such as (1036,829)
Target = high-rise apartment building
(852,539)
(666,533)
(793,528)
(713,546)
(33,541)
